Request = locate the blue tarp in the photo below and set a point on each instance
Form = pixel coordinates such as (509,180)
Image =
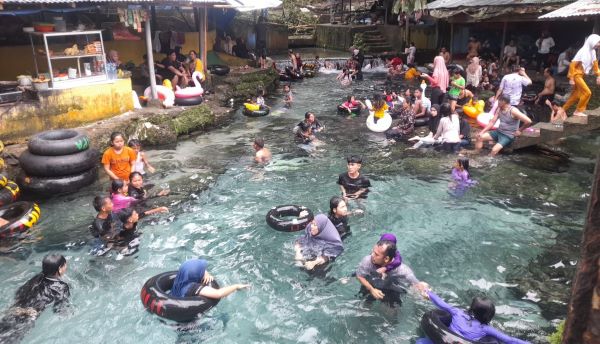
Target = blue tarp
(53,10)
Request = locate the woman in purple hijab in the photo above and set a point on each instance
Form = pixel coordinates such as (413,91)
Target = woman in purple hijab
(320,243)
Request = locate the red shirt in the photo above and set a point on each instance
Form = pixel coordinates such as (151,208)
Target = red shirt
(396,61)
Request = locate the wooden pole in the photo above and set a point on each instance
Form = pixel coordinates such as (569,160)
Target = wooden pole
(150,58)
(583,313)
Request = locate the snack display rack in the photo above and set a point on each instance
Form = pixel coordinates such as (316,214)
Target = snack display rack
(93,51)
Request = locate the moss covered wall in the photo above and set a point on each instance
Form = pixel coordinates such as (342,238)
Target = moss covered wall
(67,108)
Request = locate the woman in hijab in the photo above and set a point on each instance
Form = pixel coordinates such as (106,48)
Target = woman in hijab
(320,243)
(474,72)
(584,61)
(434,121)
(439,80)
(193,280)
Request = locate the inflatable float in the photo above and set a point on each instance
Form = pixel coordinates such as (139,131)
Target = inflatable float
(21,216)
(279,219)
(190,95)
(382,124)
(165,94)
(485,118)
(157,300)
(473,110)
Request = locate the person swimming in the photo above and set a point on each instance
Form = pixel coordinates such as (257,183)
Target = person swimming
(192,279)
(460,172)
(139,191)
(474,323)
(44,289)
(320,243)
(338,215)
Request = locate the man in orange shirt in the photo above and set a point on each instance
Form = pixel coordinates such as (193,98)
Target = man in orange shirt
(118,160)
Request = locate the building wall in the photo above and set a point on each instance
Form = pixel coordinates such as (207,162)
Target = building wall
(18,60)
(275,36)
(67,108)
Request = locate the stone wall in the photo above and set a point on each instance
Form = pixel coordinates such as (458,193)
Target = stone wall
(339,37)
(66,108)
(274,35)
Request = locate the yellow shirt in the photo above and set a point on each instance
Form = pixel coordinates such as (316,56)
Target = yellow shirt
(199,67)
(411,74)
(379,113)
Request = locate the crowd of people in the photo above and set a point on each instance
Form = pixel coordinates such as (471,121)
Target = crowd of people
(382,274)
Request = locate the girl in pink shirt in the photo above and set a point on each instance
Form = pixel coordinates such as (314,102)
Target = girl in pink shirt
(119,195)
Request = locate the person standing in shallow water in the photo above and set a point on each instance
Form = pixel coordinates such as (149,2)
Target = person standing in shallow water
(44,289)
(352,183)
(263,155)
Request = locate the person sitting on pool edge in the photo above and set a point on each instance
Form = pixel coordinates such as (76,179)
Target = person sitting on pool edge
(320,243)
(371,280)
(508,129)
(352,183)
(263,155)
(338,215)
(44,289)
(193,280)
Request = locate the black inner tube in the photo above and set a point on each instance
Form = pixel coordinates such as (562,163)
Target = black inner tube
(286,218)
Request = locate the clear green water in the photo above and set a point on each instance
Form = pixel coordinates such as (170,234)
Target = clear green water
(462,247)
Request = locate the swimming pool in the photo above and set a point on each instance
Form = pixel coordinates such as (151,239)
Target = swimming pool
(462,247)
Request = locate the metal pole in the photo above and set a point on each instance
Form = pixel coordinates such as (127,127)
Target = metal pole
(150,58)
(203,34)
(451,39)
(503,41)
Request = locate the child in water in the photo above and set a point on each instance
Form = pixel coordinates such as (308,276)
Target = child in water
(288,96)
(396,262)
(474,323)
(141,160)
(138,190)
(118,160)
(379,107)
(460,172)
(119,190)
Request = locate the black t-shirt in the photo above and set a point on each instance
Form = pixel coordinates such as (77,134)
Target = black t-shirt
(194,289)
(139,194)
(353,185)
(341,224)
(50,291)
(106,228)
(166,72)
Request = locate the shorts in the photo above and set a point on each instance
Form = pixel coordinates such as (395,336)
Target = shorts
(500,138)
(450,97)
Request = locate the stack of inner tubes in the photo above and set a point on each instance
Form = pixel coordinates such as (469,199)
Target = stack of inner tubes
(58,161)
(21,216)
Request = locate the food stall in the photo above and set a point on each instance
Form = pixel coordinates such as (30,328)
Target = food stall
(84,55)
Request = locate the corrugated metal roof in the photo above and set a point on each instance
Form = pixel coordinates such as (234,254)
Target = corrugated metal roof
(579,8)
(158,2)
(454,4)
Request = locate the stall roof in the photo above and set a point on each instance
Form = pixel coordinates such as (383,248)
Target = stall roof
(453,4)
(242,5)
(485,9)
(581,8)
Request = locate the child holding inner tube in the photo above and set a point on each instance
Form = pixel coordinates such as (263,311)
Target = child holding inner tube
(473,324)
(193,280)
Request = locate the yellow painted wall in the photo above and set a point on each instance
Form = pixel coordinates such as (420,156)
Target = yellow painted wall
(67,108)
(18,60)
